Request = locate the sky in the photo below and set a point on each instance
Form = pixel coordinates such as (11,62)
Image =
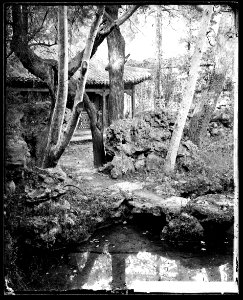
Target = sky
(144,44)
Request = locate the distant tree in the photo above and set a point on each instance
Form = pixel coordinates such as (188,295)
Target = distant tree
(221,54)
(188,91)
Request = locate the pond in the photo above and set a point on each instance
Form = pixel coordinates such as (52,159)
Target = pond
(125,257)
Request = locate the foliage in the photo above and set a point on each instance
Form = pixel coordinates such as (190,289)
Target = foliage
(42,27)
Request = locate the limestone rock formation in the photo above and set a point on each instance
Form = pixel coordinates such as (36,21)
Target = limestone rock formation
(183,228)
(215,212)
(139,143)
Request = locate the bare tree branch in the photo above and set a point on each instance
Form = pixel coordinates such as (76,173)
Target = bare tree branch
(76,61)
(19,45)
(40,27)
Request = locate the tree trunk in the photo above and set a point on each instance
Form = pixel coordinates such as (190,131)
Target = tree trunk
(83,275)
(97,132)
(188,91)
(201,118)
(158,78)
(56,151)
(236,144)
(55,128)
(200,121)
(118,262)
(116,53)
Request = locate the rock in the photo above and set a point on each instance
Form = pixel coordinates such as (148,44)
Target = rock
(57,172)
(139,162)
(153,162)
(146,135)
(116,173)
(182,151)
(17,152)
(10,187)
(148,202)
(215,212)
(64,204)
(183,228)
(121,165)
(127,186)
(175,204)
(214,131)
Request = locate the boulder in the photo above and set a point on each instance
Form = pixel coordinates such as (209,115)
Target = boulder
(144,139)
(10,187)
(57,172)
(17,152)
(121,165)
(182,228)
(214,131)
(144,201)
(139,162)
(215,212)
(153,162)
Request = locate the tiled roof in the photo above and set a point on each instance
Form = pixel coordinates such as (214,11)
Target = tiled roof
(97,75)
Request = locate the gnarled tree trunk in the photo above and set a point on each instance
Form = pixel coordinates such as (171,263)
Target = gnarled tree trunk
(97,132)
(56,143)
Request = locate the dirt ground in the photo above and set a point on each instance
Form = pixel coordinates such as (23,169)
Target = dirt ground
(77,162)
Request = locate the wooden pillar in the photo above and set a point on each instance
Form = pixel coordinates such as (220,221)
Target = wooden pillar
(133,100)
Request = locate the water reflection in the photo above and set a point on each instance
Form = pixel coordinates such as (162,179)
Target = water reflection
(120,271)
(104,267)
(124,258)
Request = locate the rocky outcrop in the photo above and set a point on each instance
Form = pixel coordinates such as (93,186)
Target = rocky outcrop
(139,143)
(215,212)
(186,220)
(183,228)
(26,126)
(147,202)
(17,152)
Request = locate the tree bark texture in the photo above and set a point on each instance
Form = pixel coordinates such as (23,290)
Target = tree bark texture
(158,69)
(116,54)
(199,122)
(202,116)
(43,69)
(52,156)
(97,132)
(55,128)
(118,271)
(188,91)
(83,275)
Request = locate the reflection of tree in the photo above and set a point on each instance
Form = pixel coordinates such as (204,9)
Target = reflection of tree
(183,274)
(118,271)
(157,267)
(83,275)
(213,274)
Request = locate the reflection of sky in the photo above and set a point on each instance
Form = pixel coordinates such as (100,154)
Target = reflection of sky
(145,266)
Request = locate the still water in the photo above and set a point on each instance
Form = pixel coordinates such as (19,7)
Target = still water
(123,257)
